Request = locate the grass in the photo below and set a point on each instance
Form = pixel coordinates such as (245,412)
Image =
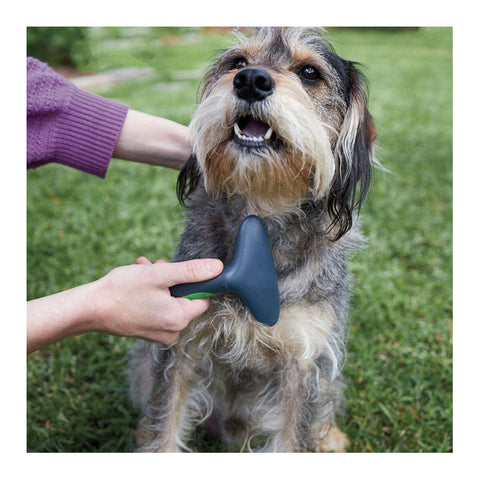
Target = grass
(399,366)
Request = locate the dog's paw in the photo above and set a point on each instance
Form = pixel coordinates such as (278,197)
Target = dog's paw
(334,441)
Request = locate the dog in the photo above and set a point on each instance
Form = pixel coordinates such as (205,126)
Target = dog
(283,132)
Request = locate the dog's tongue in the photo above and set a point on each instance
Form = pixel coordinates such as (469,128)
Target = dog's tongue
(254,128)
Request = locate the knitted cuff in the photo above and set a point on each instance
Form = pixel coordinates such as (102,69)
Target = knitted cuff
(87,132)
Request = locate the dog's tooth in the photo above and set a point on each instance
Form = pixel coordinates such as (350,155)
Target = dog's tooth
(252,140)
(238,132)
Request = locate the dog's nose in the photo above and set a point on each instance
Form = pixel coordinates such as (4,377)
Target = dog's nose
(253,84)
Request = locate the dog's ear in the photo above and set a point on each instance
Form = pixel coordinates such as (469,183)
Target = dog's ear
(188,179)
(353,156)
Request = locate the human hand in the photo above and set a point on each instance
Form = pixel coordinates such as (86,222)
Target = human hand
(137,301)
(132,301)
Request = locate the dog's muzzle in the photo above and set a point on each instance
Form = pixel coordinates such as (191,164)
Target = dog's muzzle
(252,85)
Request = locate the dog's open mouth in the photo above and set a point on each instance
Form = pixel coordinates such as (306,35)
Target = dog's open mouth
(250,132)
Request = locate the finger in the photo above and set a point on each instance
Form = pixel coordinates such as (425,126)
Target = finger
(160,261)
(194,308)
(142,261)
(190,271)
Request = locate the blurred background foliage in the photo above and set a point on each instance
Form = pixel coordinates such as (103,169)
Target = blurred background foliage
(59,45)
(87,48)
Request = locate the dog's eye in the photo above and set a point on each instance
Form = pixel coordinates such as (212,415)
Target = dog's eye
(309,73)
(239,63)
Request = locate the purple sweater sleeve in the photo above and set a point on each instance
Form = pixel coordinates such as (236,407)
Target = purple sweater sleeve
(68,125)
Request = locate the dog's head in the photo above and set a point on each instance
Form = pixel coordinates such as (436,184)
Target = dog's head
(282,121)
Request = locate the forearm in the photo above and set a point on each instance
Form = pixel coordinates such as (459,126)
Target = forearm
(157,141)
(62,315)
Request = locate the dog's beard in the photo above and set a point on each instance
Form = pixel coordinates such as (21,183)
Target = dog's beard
(276,174)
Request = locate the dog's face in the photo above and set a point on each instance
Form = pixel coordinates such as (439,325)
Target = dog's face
(283,120)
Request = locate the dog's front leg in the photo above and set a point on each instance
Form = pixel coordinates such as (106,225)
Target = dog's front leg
(280,411)
(165,425)
(298,416)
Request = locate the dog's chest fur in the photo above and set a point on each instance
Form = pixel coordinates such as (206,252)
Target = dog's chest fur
(302,250)
(311,270)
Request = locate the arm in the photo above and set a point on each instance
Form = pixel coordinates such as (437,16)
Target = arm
(132,301)
(79,129)
(154,140)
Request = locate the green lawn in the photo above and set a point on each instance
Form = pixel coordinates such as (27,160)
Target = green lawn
(399,364)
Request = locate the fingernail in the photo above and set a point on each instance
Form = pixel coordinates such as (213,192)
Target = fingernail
(214,266)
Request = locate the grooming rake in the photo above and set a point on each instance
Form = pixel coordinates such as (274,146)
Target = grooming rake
(251,275)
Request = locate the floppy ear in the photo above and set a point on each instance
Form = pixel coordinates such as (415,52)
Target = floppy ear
(353,156)
(188,179)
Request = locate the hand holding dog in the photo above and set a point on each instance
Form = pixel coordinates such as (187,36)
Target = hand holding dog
(131,300)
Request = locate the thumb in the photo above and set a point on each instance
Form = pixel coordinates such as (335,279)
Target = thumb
(191,271)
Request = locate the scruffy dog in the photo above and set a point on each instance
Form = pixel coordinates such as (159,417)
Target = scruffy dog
(282,132)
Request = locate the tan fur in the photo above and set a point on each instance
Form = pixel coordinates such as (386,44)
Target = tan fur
(334,442)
